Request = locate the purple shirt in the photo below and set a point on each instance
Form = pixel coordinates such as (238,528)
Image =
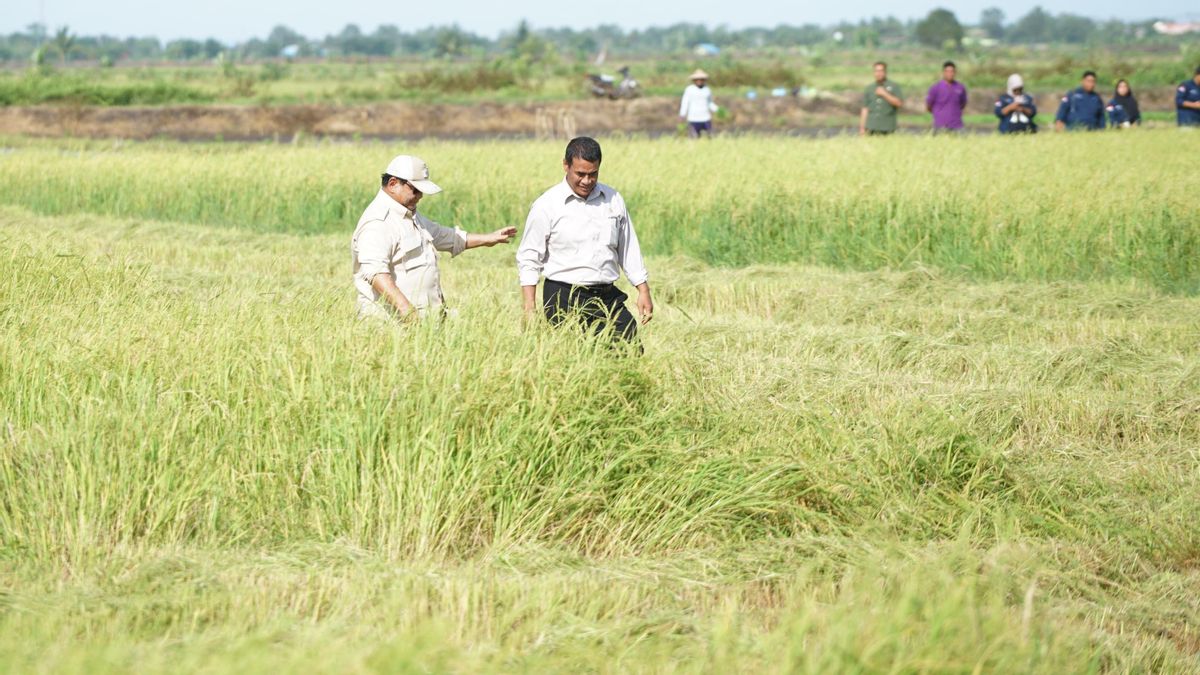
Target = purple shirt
(947,100)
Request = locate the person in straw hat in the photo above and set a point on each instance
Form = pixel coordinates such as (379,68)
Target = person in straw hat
(394,248)
(697,106)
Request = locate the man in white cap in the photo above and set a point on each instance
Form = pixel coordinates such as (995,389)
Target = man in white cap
(394,248)
(697,106)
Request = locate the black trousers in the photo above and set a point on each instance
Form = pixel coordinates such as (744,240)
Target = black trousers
(600,308)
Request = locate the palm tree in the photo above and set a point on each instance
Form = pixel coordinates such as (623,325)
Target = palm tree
(64,42)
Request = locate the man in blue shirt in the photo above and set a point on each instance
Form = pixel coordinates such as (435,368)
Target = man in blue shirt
(1081,108)
(1187,101)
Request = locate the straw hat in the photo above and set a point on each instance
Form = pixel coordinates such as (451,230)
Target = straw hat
(698,75)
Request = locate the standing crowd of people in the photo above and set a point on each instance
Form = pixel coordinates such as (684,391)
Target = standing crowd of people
(1081,108)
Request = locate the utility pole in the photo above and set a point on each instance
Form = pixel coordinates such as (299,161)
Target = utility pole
(41,22)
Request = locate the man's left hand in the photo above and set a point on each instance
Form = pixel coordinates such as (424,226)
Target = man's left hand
(645,306)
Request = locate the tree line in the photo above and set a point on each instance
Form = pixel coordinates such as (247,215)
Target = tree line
(941,28)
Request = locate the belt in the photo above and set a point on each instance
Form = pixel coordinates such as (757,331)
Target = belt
(597,287)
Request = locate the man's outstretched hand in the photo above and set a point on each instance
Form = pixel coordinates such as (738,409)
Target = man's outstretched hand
(503,235)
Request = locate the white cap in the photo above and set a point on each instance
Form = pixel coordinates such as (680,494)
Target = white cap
(415,171)
(698,75)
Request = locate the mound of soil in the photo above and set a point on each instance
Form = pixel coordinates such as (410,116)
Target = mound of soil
(559,119)
(556,119)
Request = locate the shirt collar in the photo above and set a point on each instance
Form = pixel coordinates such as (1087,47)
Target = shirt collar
(392,205)
(568,194)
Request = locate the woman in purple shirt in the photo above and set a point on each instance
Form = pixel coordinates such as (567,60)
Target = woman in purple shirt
(946,100)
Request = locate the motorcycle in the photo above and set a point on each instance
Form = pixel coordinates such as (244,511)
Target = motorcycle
(607,86)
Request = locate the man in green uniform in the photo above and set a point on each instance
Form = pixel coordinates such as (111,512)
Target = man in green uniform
(881,100)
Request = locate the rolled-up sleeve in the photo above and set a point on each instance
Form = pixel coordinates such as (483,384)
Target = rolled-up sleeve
(452,239)
(374,251)
(629,251)
(534,246)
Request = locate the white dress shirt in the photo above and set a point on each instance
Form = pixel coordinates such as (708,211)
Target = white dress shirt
(697,104)
(393,240)
(579,241)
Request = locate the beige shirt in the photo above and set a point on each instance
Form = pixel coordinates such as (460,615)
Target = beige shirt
(578,241)
(390,239)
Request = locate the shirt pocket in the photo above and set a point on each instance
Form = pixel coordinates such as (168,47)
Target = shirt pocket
(411,248)
(607,231)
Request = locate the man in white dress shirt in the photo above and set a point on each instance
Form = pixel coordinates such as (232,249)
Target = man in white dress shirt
(697,107)
(579,235)
(394,248)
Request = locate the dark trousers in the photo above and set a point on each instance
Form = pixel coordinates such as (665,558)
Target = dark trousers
(698,129)
(600,308)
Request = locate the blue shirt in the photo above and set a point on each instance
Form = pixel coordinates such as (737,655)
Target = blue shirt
(1118,115)
(1007,125)
(1081,110)
(1188,90)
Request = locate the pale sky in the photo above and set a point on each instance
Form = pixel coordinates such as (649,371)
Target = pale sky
(238,20)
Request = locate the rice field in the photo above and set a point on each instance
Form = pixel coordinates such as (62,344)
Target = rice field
(919,405)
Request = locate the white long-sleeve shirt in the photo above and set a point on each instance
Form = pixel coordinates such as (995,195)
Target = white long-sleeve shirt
(390,239)
(580,241)
(697,104)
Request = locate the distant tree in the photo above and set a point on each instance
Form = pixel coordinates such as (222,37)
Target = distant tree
(522,33)
(1073,28)
(183,50)
(350,41)
(992,22)
(940,29)
(1115,31)
(451,41)
(64,42)
(212,48)
(278,38)
(1035,27)
(808,34)
(866,37)
(889,27)
(37,31)
(525,43)
(143,48)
